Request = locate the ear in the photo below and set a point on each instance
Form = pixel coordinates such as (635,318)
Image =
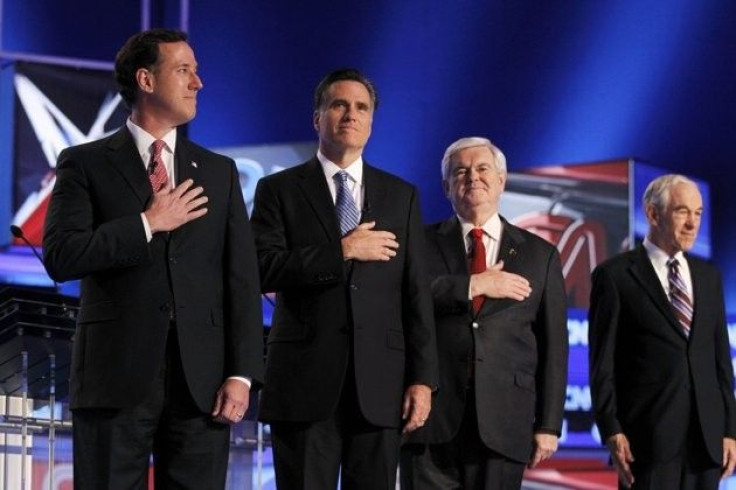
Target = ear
(502,180)
(652,215)
(145,80)
(315,120)
(446,188)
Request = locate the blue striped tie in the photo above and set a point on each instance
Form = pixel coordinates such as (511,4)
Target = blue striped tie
(347,211)
(681,302)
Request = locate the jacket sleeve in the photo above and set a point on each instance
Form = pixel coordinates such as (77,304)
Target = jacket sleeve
(603,318)
(552,343)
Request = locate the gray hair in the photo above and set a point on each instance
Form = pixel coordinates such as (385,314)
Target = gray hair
(657,193)
(472,142)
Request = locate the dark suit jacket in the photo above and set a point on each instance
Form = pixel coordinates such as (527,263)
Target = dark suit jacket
(645,374)
(520,347)
(326,307)
(203,274)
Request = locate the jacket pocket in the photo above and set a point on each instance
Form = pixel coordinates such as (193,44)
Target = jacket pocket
(395,339)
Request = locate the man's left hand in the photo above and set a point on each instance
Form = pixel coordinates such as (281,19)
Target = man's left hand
(231,402)
(416,407)
(729,457)
(545,446)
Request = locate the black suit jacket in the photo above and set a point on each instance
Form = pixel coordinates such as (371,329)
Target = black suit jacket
(647,378)
(521,348)
(326,307)
(203,274)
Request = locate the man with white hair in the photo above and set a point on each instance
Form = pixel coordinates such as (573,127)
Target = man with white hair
(660,365)
(499,304)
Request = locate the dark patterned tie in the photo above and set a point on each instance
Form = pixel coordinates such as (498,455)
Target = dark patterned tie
(478,263)
(347,211)
(681,302)
(157,169)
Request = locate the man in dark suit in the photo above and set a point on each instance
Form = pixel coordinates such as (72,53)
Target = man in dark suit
(351,353)
(660,365)
(169,335)
(499,303)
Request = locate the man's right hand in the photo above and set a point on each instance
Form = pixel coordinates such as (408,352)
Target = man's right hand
(622,458)
(171,208)
(495,283)
(366,244)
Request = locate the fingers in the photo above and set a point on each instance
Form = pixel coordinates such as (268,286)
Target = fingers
(231,402)
(416,407)
(368,225)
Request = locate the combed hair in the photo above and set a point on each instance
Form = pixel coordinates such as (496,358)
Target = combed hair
(472,142)
(140,51)
(350,74)
(657,193)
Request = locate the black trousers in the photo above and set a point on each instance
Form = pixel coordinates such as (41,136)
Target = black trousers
(464,463)
(691,470)
(113,447)
(311,455)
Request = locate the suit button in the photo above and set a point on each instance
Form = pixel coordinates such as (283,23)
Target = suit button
(476,325)
(172,260)
(353,287)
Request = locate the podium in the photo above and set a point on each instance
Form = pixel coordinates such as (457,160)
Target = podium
(36,334)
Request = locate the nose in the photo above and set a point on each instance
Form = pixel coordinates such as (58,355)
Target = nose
(196,82)
(349,112)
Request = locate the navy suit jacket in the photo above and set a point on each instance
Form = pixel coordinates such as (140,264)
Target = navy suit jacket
(519,349)
(647,379)
(327,308)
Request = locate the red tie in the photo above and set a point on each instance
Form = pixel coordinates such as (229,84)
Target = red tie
(478,263)
(157,170)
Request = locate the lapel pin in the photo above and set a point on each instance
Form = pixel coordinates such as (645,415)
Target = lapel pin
(194,164)
(512,252)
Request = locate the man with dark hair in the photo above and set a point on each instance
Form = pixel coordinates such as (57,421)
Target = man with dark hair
(351,354)
(661,377)
(169,342)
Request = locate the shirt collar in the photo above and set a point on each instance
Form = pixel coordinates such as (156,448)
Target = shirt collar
(492,227)
(659,257)
(143,139)
(354,170)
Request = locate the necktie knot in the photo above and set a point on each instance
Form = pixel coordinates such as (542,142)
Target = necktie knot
(477,233)
(342,176)
(674,265)
(158,147)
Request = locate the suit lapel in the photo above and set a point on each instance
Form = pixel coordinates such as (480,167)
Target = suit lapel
(450,242)
(126,160)
(644,274)
(185,167)
(314,187)
(373,196)
(699,286)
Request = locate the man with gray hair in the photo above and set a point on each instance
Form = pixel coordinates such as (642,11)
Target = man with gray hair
(660,365)
(499,305)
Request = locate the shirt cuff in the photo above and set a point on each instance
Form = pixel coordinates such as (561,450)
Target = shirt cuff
(247,381)
(146,227)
